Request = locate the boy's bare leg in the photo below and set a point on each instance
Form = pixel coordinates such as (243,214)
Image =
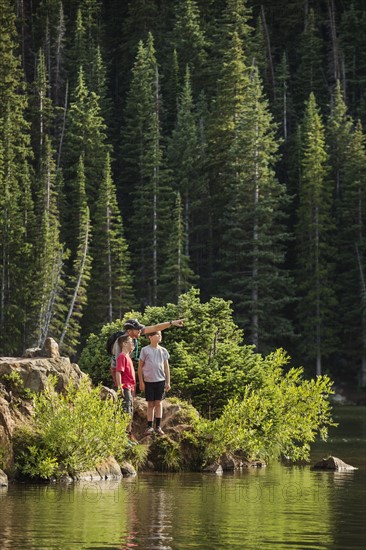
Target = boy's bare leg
(150,411)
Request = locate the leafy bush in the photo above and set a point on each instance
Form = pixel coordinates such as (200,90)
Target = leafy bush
(13,382)
(135,454)
(259,405)
(282,417)
(71,433)
(209,364)
(166,454)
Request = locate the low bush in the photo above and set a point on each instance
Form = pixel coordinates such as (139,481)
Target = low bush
(71,432)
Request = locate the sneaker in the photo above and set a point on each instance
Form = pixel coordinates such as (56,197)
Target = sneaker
(149,431)
(159,431)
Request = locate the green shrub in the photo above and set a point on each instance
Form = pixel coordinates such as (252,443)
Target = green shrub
(135,454)
(166,454)
(13,382)
(71,433)
(283,417)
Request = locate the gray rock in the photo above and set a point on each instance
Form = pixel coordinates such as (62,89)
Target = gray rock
(109,469)
(214,468)
(3,479)
(333,463)
(127,469)
(51,349)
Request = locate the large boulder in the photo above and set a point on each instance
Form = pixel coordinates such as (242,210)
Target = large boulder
(34,371)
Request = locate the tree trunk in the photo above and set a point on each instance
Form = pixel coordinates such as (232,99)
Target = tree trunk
(63,126)
(269,52)
(77,286)
(333,35)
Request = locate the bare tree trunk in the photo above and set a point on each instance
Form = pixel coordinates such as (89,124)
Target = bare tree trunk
(63,126)
(58,264)
(155,193)
(186,224)
(285,111)
(269,52)
(334,40)
(77,286)
(109,260)
(47,51)
(343,78)
(59,46)
(317,308)
(363,319)
(255,296)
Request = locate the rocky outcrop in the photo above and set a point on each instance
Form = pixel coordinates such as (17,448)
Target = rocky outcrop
(35,371)
(15,405)
(333,463)
(109,469)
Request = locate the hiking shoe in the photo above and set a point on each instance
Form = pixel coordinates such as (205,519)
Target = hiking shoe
(159,431)
(149,431)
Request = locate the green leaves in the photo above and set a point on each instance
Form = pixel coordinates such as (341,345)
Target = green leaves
(282,417)
(72,432)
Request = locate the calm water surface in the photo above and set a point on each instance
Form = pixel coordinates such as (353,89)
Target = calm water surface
(277,507)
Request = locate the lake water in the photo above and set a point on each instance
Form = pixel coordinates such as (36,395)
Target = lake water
(278,507)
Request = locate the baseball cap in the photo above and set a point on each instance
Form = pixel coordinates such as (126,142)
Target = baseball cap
(133,324)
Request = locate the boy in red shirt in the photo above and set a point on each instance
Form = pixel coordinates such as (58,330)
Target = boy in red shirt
(125,376)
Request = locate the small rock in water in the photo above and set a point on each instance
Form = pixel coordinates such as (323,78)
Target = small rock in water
(333,463)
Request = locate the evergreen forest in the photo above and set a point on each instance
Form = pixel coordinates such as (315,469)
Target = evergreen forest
(152,146)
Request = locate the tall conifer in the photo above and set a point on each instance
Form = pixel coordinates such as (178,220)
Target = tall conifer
(251,268)
(79,277)
(352,253)
(110,291)
(16,203)
(315,259)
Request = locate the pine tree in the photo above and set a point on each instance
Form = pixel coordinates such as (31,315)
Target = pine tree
(80,273)
(310,76)
(110,291)
(225,113)
(189,41)
(352,249)
(144,169)
(177,276)
(283,105)
(85,136)
(41,107)
(353,46)
(16,204)
(315,248)
(171,92)
(184,159)
(338,135)
(49,256)
(251,268)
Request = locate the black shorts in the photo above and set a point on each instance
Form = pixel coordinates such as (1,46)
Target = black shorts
(155,391)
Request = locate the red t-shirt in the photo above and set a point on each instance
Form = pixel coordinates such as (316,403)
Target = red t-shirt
(125,366)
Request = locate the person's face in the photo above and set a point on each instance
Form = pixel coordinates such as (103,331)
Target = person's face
(130,344)
(156,338)
(134,333)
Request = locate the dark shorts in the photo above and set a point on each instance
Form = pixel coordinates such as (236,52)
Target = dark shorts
(154,391)
(127,401)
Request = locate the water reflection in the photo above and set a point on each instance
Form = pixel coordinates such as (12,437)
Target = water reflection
(275,507)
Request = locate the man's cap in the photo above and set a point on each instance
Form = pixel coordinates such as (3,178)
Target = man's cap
(133,324)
